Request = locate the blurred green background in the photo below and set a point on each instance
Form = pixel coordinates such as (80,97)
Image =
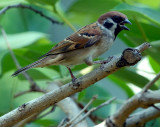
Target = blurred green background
(31,35)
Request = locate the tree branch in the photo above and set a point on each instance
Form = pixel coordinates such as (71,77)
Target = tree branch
(129,57)
(2,11)
(139,119)
(149,84)
(146,98)
(140,100)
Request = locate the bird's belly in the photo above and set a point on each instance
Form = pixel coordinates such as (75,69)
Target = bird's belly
(76,57)
(103,47)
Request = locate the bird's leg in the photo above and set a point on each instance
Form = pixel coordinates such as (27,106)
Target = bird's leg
(89,61)
(72,76)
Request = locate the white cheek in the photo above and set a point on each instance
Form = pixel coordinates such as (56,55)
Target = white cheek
(113,27)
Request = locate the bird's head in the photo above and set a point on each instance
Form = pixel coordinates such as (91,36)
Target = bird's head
(114,21)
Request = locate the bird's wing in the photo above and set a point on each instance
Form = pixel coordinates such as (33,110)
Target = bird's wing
(85,37)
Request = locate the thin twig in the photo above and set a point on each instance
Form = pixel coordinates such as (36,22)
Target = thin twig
(64,18)
(71,121)
(149,84)
(33,85)
(94,109)
(30,8)
(52,109)
(63,121)
(156,107)
(21,93)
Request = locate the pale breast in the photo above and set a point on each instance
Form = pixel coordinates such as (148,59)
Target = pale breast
(103,46)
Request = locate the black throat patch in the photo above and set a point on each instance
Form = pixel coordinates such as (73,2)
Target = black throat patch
(117,30)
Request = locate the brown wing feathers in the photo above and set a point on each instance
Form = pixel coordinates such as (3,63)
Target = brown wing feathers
(81,39)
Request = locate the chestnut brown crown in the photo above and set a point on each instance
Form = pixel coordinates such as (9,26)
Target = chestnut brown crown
(111,14)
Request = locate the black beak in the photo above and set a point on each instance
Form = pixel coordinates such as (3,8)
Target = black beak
(126,21)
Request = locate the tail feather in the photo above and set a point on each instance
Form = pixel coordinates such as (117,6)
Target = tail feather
(27,67)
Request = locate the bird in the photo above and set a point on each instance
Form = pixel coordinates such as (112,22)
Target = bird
(84,45)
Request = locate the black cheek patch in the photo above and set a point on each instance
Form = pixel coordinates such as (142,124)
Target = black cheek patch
(108,25)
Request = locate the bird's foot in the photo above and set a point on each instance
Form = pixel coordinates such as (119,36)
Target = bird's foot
(103,62)
(76,84)
(108,60)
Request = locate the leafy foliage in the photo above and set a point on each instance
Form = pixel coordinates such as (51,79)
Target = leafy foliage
(30,36)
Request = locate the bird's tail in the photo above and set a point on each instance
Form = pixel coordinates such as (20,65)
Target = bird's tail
(35,64)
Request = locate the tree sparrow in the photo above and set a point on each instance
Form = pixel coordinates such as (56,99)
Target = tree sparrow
(82,46)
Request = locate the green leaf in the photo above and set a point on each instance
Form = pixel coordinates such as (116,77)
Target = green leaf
(150,3)
(130,76)
(135,37)
(81,95)
(16,41)
(36,74)
(155,66)
(121,84)
(87,11)
(46,122)
(63,71)
(20,40)
(139,11)
(102,94)
(48,2)
(94,7)
(4,3)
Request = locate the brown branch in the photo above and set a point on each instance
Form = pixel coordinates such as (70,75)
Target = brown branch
(22,93)
(144,99)
(128,58)
(139,119)
(149,84)
(140,100)
(30,8)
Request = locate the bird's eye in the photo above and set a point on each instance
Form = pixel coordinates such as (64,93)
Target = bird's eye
(117,19)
